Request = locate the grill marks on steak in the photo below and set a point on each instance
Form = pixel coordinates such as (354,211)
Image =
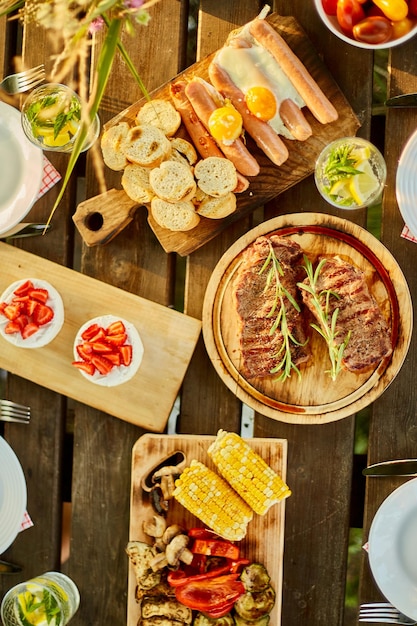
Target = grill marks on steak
(359,313)
(260,348)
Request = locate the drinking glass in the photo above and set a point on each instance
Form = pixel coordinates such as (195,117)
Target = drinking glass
(52,119)
(350,173)
(47,600)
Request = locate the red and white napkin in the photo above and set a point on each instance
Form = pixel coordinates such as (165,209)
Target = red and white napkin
(407,234)
(26,522)
(51,176)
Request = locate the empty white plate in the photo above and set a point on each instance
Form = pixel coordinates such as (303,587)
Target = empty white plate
(406,183)
(21,169)
(393,548)
(12,495)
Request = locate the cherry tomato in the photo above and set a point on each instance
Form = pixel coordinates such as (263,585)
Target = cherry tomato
(402,27)
(393,9)
(412,7)
(374,10)
(329,6)
(373,30)
(349,13)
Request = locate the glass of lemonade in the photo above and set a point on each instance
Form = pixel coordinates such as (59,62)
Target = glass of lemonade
(52,118)
(350,173)
(47,600)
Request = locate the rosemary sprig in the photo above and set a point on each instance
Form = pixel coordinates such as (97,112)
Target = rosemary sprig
(341,164)
(279,309)
(327,328)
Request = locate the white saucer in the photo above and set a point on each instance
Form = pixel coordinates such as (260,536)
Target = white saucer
(21,169)
(12,495)
(406,183)
(393,548)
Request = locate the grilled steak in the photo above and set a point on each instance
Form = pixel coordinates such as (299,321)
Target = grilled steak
(359,313)
(256,298)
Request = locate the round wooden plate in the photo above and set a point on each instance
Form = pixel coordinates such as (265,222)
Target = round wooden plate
(314,398)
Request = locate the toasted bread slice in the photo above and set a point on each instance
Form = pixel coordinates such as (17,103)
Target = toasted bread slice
(159,113)
(178,216)
(147,146)
(173,181)
(113,143)
(185,148)
(216,176)
(217,208)
(135,182)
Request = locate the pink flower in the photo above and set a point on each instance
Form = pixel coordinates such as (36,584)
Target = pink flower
(96,25)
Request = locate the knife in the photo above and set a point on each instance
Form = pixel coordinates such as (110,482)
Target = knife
(25,230)
(403,100)
(9,568)
(403,467)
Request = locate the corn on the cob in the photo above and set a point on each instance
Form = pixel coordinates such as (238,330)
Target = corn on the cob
(247,472)
(207,496)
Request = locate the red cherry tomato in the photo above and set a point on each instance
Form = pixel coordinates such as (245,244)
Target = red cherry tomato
(329,6)
(373,30)
(349,13)
(412,7)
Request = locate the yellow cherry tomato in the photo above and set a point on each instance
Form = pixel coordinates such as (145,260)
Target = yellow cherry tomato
(402,27)
(394,10)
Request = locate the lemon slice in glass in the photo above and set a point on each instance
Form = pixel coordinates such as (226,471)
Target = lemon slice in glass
(364,185)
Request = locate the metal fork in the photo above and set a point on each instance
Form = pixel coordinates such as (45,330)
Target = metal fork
(12,412)
(383,612)
(23,81)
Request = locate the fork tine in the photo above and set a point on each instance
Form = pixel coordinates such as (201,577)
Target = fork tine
(34,70)
(377,620)
(31,85)
(14,405)
(371,605)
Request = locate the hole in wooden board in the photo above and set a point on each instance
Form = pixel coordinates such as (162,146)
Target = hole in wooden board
(94,221)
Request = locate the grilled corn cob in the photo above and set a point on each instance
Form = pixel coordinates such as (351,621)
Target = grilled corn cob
(247,472)
(207,496)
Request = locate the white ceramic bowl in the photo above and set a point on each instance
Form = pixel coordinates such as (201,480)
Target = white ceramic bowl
(332,24)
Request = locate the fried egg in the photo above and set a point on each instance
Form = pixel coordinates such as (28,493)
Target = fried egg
(257,74)
(225,124)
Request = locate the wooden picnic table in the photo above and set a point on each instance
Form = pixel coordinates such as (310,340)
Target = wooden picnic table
(71,443)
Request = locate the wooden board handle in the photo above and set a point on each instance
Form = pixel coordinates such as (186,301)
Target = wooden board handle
(101,218)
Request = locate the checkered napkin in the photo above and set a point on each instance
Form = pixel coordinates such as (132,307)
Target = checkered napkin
(26,522)
(407,234)
(50,177)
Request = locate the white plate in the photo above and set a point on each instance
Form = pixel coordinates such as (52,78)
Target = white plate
(12,495)
(393,548)
(21,169)
(406,184)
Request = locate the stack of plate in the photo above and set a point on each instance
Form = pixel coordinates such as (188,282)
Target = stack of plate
(12,495)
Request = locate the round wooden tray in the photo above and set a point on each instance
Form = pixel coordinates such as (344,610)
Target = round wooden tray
(314,398)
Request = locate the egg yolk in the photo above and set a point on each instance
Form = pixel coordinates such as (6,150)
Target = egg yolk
(225,124)
(261,103)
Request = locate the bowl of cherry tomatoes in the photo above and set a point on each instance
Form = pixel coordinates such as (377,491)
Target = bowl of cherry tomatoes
(370,24)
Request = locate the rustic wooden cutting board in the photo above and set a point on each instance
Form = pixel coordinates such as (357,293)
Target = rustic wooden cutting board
(313,398)
(265,538)
(169,339)
(101,218)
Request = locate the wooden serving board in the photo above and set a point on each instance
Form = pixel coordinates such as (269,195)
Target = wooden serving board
(117,210)
(312,398)
(264,541)
(169,339)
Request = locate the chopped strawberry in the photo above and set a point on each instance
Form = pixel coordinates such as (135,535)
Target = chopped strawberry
(31,306)
(11,328)
(100,347)
(103,365)
(42,314)
(29,330)
(39,294)
(85,367)
(116,340)
(22,320)
(116,328)
(126,354)
(90,331)
(23,288)
(115,358)
(12,311)
(84,351)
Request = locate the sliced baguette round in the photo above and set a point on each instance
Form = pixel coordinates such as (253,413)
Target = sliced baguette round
(178,216)
(217,208)
(216,176)
(173,181)
(147,146)
(113,144)
(135,182)
(185,148)
(159,113)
